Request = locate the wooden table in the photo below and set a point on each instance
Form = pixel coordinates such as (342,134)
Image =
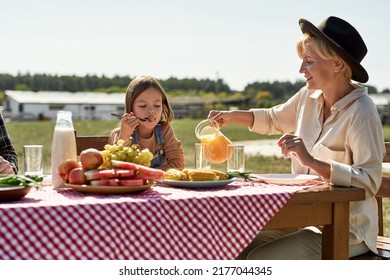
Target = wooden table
(321,205)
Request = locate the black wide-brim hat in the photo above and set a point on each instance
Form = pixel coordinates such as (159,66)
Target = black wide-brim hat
(344,39)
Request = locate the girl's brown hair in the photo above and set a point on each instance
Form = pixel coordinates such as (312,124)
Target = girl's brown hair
(134,89)
(139,85)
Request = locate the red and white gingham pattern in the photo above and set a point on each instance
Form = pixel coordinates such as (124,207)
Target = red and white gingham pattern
(160,223)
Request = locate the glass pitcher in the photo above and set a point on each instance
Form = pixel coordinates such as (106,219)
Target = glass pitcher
(208,131)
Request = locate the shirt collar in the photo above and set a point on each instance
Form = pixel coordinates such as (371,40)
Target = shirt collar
(346,100)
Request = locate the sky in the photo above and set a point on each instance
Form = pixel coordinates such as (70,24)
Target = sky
(240,41)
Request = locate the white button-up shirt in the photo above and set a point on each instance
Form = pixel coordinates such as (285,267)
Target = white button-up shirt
(351,140)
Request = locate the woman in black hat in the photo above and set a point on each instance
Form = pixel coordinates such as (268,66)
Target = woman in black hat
(330,128)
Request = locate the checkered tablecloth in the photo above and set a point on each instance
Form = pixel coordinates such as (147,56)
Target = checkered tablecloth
(159,223)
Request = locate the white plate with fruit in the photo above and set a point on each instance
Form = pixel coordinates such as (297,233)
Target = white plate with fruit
(97,174)
(124,177)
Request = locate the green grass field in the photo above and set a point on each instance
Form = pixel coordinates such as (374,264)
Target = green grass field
(24,133)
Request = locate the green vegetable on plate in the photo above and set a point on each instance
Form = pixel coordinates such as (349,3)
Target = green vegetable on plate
(237,174)
(7,180)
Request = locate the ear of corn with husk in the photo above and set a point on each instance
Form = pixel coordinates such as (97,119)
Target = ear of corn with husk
(195,175)
(221,175)
(200,175)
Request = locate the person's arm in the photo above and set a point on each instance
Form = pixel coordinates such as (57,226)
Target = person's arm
(293,146)
(9,156)
(366,142)
(241,117)
(279,119)
(173,150)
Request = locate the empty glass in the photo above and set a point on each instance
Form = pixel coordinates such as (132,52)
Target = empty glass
(236,161)
(33,160)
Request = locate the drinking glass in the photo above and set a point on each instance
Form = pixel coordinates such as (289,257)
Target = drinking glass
(201,162)
(236,161)
(33,159)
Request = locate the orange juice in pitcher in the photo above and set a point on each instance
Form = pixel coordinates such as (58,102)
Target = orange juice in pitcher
(207,131)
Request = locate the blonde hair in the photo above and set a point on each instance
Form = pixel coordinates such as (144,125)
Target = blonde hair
(323,50)
(137,86)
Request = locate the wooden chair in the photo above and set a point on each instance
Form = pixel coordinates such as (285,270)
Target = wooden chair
(383,243)
(85,142)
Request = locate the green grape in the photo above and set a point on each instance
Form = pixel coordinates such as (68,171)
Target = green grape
(114,157)
(113,148)
(126,152)
(122,157)
(129,159)
(146,154)
(105,153)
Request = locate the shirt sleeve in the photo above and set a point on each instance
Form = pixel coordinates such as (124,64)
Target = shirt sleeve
(7,150)
(367,149)
(279,119)
(173,150)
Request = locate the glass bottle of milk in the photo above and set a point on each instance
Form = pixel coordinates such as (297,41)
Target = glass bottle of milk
(63,145)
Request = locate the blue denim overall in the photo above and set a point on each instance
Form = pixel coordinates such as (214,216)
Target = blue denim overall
(159,158)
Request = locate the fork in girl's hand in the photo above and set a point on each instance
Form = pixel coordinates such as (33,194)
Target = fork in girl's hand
(119,115)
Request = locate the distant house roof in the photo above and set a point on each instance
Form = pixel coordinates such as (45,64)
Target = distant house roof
(59,97)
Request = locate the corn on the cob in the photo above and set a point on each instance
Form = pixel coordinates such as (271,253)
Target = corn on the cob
(201,175)
(175,174)
(195,175)
(220,174)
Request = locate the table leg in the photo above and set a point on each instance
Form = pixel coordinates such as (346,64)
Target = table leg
(335,236)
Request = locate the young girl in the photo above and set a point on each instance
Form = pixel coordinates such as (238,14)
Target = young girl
(147,120)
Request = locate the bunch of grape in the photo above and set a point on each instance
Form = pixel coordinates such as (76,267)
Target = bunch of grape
(130,153)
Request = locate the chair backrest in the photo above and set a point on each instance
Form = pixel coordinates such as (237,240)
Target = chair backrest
(85,142)
(384,190)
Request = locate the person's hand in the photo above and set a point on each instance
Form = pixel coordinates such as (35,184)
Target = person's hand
(292,145)
(221,117)
(5,167)
(129,123)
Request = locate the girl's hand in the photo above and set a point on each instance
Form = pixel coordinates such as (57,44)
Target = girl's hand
(292,145)
(128,124)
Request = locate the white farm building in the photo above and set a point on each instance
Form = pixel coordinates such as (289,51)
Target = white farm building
(29,105)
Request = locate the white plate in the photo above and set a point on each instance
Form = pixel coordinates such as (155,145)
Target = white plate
(285,179)
(198,184)
(108,189)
